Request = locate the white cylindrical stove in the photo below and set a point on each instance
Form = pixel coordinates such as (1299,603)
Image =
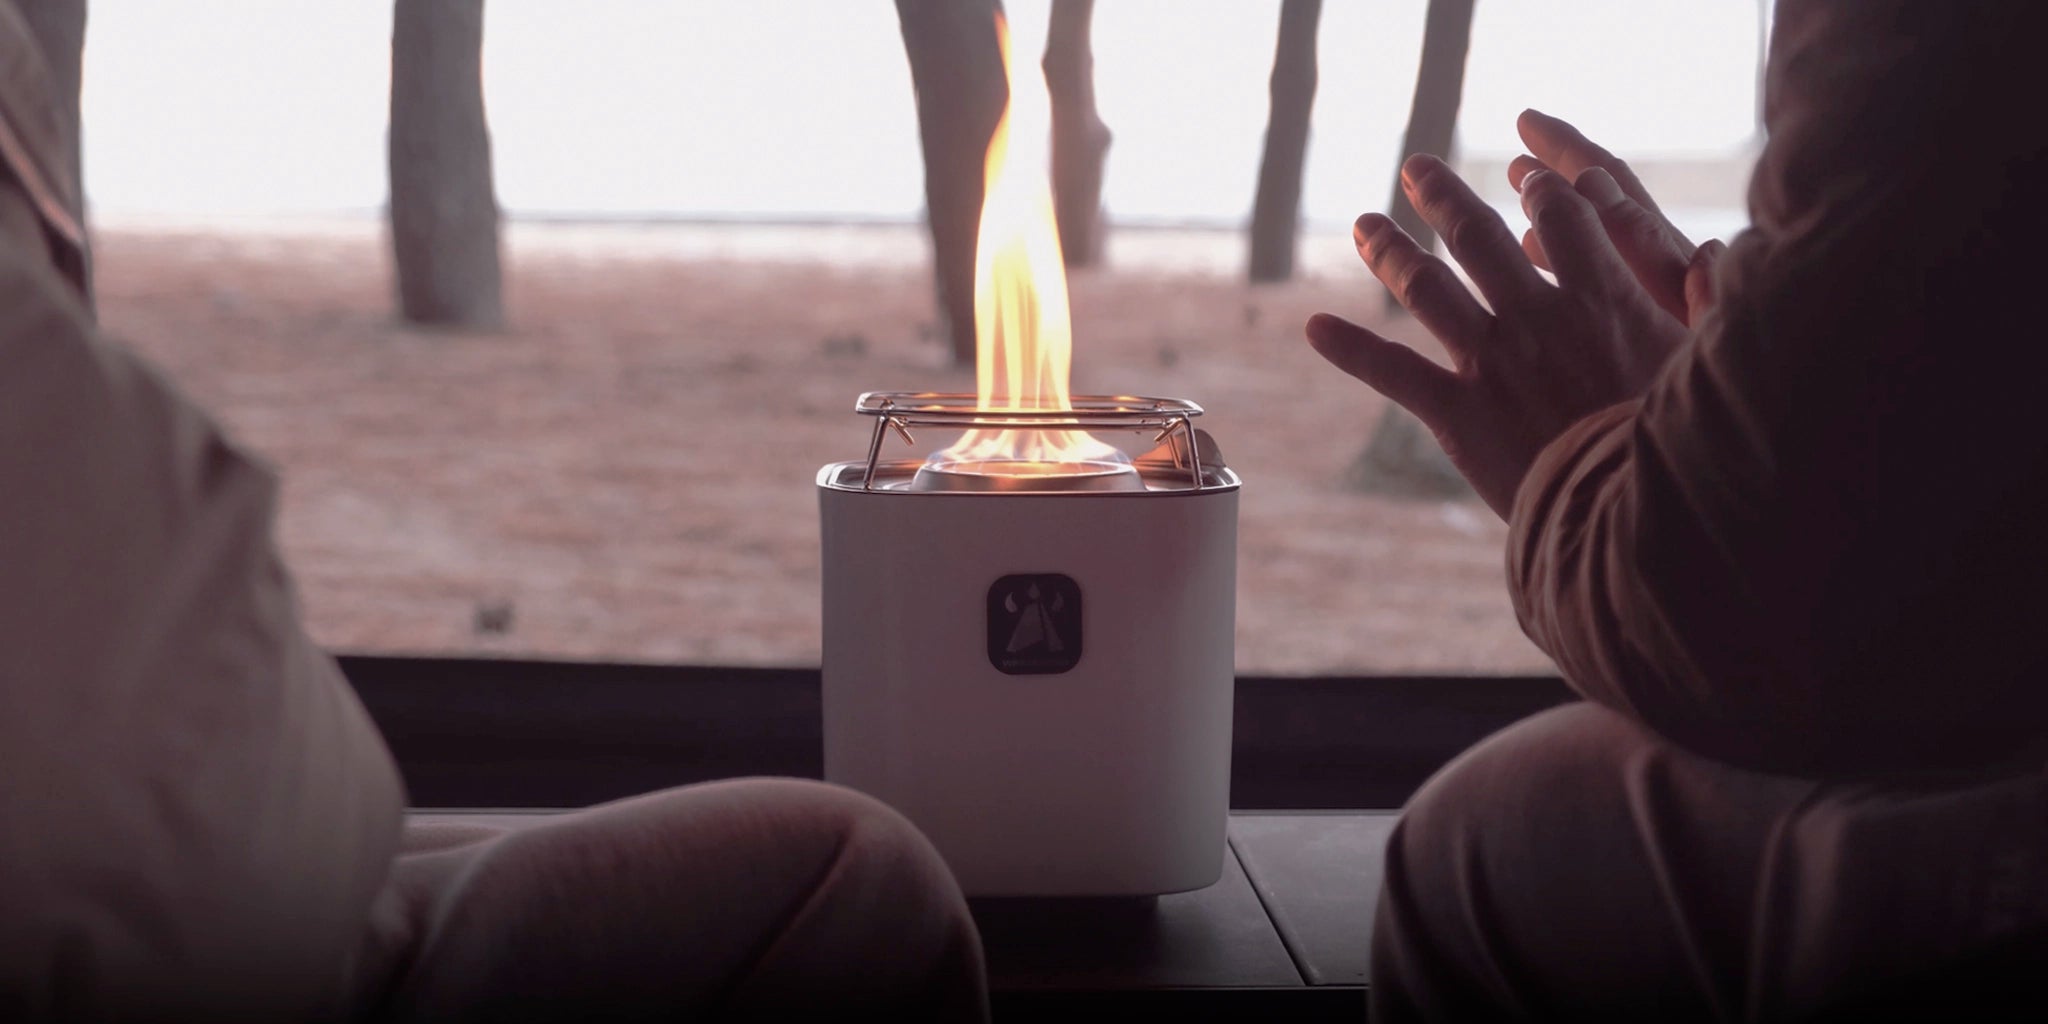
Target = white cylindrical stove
(1033,664)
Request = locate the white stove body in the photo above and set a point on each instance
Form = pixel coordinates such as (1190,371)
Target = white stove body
(1050,737)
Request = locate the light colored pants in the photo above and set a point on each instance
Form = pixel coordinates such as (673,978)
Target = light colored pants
(753,899)
(1576,867)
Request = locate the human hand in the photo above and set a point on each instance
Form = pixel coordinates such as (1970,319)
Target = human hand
(1659,254)
(1543,358)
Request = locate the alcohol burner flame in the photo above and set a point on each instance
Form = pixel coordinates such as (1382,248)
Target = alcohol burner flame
(1024,338)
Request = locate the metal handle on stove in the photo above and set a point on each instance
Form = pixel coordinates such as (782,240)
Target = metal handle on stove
(1173,418)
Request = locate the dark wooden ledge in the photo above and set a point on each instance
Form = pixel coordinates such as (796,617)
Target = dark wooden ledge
(473,732)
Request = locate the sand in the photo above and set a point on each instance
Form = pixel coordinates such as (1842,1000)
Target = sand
(626,471)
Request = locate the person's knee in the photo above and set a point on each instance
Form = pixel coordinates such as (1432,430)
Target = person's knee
(778,893)
(844,861)
(1505,784)
(748,852)
(1479,843)
(874,847)
(883,925)
(1540,774)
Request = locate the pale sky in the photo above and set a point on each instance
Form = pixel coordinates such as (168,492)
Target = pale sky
(803,107)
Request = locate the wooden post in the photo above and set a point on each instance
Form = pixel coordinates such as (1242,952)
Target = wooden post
(444,212)
(1276,213)
(1080,141)
(1403,457)
(1439,88)
(957,72)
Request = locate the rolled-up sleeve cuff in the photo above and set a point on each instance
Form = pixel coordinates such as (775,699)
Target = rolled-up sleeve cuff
(1549,522)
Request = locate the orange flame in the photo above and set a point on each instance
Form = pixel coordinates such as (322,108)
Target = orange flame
(1024,339)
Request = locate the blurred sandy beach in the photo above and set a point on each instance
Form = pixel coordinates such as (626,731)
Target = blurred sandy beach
(626,471)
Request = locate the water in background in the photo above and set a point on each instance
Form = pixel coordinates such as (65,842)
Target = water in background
(621,109)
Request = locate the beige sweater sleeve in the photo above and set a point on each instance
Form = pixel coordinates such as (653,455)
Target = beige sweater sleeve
(195,812)
(36,155)
(1816,545)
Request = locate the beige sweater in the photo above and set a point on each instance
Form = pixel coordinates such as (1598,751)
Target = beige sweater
(195,813)
(1818,544)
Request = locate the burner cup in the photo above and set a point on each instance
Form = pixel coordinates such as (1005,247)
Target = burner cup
(1012,476)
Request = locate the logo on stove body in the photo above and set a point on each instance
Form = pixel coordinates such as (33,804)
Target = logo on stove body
(1034,624)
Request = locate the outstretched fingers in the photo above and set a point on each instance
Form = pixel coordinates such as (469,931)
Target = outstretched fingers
(1475,235)
(1422,284)
(1564,149)
(1405,376)
(1519,170)
(1521,167)
(1532,247)
(1573,237)
(1699,280)
(1657,255)
(1646,239)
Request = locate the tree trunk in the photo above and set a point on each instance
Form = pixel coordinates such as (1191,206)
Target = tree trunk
(1439,88)
(1080,141)
(1763,60)
(1403,457)
(444,213)
(957,72)
(1276,213)
(59,28)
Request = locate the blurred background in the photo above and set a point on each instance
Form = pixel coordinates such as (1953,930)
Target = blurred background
(706,232)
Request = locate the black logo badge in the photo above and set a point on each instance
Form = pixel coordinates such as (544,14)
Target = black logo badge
(1034,624)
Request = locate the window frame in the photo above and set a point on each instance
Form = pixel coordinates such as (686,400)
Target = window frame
(490,732)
